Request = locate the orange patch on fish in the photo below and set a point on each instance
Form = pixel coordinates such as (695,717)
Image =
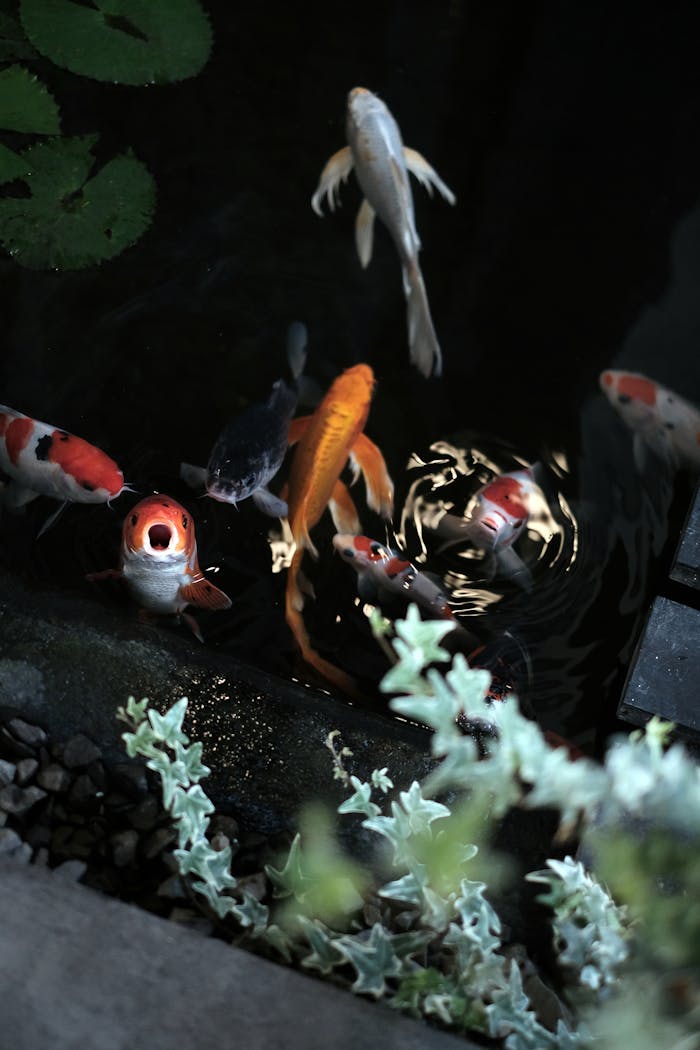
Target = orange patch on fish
(639,388)
(86,463)
(16,437)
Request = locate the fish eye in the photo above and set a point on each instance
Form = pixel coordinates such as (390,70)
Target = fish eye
(375,548)
(87,486)
(134,518)
(349,552)
(185,521)
(624,399)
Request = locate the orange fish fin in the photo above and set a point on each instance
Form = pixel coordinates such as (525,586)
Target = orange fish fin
(204,594)
(380,487)
(105,574)
(297,428)
(343,510)
(193,625)
(294,599)
(327,670)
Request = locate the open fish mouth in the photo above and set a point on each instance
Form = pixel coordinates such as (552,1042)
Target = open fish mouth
(159,536)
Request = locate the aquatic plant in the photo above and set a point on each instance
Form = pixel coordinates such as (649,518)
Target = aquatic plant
(74,215)
(429,940)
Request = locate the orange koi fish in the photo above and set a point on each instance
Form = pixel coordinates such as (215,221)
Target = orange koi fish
(326,441)
(43,460)
(159,562)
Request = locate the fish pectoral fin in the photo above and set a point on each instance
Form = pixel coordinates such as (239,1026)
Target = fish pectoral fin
(426,175)
(204,594)
(195,477)
(513,568)
(269,503)
(297,429)
(305,584)
(15,496)
(193,626)
(380,487)
(364,232)
(337,169)
(343,510)
(52,518)
(367,589)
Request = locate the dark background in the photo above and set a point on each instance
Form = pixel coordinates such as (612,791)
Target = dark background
(569,133)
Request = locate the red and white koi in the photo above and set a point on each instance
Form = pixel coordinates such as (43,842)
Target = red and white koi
(381,163)
(495,520)
(159,562)
(383,571)
(660,419)
(43,460)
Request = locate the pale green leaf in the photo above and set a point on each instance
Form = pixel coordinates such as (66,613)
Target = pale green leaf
(373,960)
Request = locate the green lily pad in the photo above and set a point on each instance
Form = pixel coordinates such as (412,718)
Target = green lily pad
(13,42)
(25,104)
(12,165)
(124,41)
(73,218)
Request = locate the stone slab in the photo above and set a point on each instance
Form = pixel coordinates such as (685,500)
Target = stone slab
(78,970)
(67,663)
(686,563)
(664,677)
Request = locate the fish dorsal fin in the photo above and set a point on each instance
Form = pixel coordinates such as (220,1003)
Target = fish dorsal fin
(195,477)
(364,232)
(426,175)
(269,504)
(204,594)
(337,169)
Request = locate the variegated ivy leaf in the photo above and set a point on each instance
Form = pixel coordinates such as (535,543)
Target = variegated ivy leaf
(26,105)
(142,742)
(135,710)
(121,41)
(191,761)
(396,829)
(421,811)
(409,888)
(380,779)
(168,727)
(218,869)
(360,801)
(279,940)
(191,808)
(410,943)
(252,913)
(222,906)
(324,954)
(172,776)
(373,960)
(291,879)
(194,860)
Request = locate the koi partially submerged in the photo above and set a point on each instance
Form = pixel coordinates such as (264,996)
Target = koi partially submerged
(43,460)
(660,420)
(497,518)
(159,562)
(325,441)
(381,164)
(383,572)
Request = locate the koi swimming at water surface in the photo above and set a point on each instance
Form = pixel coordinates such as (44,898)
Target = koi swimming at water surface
(660,420)
(159,562)
(325,441)
(381,162)
(44,460)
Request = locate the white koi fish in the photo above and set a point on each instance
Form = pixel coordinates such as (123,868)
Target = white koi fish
(159,562)
(659,419)
(381,570)
(496,520)
(381,164)
(43,460)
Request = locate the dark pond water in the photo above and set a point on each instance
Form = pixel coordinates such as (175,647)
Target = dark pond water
(569,135)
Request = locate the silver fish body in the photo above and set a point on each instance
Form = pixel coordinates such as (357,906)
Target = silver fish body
(382,163)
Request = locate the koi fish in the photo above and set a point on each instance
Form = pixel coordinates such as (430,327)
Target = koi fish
(660,419)
(496,521)
(43,460)
(250,449)
(159,562)
(325,441)
(382,571)
(382,163)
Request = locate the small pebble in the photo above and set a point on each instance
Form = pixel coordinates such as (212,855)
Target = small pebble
(124,845)
(17,800)
(10,842)
(41,857)
(80,751)
(32,736)
(13,746)
(255,885)
(7,772)
(172,888)
(144,816)
(70,870)
(228,826)
(157,841)
(54,778)
(129,777)
(83,789)
(26,768)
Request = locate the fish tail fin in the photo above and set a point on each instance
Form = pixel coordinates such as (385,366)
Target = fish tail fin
(422,340)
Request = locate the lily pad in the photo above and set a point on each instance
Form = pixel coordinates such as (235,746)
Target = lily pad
(12,165)
(123,41)
(13,42)
(74,218)
(25,104)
